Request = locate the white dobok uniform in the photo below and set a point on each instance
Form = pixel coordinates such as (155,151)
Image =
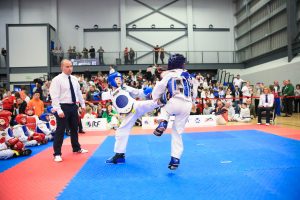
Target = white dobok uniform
(129,109)
(5,151)
(179,105)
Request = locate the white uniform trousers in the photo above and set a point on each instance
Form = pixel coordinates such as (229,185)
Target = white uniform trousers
(181,109)
(122,133)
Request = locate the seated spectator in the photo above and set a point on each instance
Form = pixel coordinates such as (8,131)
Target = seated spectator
(231,111)
(111,116)
(221,113)
(266,102)
(207,109)
(244,115)
(89,113)
(251,108)
(100,110)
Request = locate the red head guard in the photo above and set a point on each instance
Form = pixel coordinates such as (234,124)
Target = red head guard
(4,122)
(20,117)
(28,109)
(5,113)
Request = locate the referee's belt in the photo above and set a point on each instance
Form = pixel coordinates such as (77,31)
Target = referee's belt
(67,104)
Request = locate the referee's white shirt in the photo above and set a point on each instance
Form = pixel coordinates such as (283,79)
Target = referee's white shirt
(60,91)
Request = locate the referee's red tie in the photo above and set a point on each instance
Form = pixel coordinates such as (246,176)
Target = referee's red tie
(72,90)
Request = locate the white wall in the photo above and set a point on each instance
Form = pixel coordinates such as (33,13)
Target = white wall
(275,70)
(220,15)
(65,14)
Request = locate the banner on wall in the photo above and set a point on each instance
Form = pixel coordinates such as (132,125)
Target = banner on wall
(193,121)
(97,124)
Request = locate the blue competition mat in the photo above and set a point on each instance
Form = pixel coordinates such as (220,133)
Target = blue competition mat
(215,165)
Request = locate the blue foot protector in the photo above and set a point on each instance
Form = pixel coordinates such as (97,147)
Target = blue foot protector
(118,158)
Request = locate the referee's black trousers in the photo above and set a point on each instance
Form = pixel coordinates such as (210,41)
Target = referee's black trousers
(71,117)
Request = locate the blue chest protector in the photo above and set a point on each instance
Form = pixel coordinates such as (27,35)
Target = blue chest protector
(10,132)
(180,85)
(40,131)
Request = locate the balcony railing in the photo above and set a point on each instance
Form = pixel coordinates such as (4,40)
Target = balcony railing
(144,57)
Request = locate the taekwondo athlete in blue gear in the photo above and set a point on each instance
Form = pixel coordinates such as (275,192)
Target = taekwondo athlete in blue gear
(123,100)
(176,86)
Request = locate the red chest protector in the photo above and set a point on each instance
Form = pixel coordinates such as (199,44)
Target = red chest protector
(31,123)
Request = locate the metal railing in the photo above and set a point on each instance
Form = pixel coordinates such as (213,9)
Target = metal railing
(144,57)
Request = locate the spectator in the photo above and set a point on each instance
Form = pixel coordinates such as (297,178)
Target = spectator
(297,98)
(85,53)
(111,69)
(100,51)
(276,93)
(162,55)
(3,53)
(244,115)
(131,55)
(259,87)
(207,109)
(88,114)
(251,108)
(231,111)
(100,110)
(156,51)
(221,113)
(92,52)
(20,106)
(288,91)
(111,116)
(45,89)
(8,102)
(266,102)
(238,81)
(126,56)
(37,104)
(247,91)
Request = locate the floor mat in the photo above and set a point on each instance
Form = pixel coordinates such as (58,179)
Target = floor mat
(215,165)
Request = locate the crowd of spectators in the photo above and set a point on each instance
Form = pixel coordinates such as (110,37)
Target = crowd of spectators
(240,98)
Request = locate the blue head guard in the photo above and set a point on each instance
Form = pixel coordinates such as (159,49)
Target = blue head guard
(176,61)
(43,117)
(111,79)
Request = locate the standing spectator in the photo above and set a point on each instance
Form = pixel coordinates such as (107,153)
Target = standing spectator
(297,98)
(247,91)
(126,56)
(85,53)
(238,81)
(45,89)
(266,101)
(276,93)
(100,51)
(131,55)
(60,54)
(156,51)
(92,52)
(258,91)
(65,92)
(162,55)
(37,104)
(3,53)
(111,69)
(287,92)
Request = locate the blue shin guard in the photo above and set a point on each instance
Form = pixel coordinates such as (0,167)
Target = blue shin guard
(162,126)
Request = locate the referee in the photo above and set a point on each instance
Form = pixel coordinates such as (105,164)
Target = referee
(65,92)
